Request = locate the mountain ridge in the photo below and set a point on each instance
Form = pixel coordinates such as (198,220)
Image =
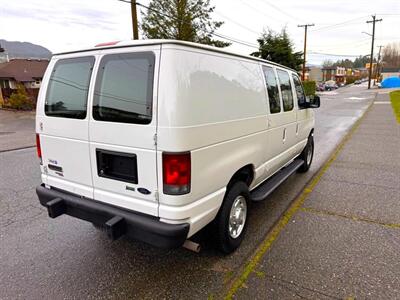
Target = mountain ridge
(16,49)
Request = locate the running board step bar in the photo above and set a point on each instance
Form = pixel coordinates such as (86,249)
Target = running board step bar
(266,188)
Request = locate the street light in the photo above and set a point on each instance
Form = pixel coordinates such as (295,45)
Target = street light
(366,33)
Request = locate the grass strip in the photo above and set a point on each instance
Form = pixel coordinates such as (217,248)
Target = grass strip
(395,99)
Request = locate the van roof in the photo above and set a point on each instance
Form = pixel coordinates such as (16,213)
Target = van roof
(132,43)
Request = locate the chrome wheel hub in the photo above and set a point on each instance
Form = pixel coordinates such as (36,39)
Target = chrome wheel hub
(237,217)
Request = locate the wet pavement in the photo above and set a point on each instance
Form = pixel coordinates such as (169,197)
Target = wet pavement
(343,241)
(16,129)
(68,258)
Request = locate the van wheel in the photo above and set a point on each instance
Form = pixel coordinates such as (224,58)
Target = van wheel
(231,221)
(307,155)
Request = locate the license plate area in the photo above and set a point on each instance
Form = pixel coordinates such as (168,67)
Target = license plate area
(117,165)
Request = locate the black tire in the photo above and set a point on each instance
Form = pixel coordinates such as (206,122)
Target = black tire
(304,155)
(224,241)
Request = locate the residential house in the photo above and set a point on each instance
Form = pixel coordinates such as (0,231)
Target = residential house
(390,72)
(337,74)
(28,72)
(361,72)
(313,73)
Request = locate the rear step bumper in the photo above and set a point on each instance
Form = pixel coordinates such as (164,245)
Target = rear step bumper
(116,221)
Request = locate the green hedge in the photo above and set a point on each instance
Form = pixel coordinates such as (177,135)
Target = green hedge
(350,79)
(309,87)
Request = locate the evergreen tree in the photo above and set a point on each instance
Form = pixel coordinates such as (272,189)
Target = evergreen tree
(278,48)
(187,20)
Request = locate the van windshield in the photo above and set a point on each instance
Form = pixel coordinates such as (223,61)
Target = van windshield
(124,88)
(68,87)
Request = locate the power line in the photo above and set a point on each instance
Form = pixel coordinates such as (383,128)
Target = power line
(330,54)
(228,38)
(282,11)
(259,11)
(237,23)
(337,46)
(338,24)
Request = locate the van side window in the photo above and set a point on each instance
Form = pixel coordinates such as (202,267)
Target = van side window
(67,91)
(124,88)
(301,97)
(286,90)
(272,88)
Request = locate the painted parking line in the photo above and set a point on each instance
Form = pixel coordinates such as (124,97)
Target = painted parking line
(288,214)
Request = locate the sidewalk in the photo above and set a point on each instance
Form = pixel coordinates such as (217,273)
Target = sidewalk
(343,241)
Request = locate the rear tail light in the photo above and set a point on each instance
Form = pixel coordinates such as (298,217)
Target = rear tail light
(38,148)
(176,173)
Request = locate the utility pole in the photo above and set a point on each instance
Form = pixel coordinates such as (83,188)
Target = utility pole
(378,65)
(305,48)
(374,20)
(134,20)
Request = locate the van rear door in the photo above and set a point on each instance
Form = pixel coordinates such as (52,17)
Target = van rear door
(63,122)
(122,128)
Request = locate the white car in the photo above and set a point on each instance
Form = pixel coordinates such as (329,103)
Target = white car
(156,139)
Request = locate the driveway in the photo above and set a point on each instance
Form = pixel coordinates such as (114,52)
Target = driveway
(17,130)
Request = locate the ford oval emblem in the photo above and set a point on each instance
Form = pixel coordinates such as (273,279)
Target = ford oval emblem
(144,191)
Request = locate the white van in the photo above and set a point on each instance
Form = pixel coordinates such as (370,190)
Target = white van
(156,139)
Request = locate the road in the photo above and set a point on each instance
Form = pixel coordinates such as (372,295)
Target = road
(16,129)
(67,258)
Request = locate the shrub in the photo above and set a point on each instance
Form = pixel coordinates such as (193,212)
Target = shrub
(350,79)
(1,100)
(20,99)
(309,87)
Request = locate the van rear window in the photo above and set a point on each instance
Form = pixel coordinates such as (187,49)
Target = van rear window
(124,88)
(68,87)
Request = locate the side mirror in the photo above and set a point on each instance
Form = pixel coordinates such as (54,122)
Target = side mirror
(315,101)
(312,101)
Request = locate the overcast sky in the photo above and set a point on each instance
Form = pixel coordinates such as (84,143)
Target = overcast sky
(62,25)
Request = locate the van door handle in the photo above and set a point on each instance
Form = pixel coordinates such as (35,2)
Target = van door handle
(284,135)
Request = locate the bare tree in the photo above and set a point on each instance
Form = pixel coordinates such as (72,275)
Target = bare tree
(391,55)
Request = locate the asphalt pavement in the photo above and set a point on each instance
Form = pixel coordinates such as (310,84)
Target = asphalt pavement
(342,240)
(16,129)
(68,258)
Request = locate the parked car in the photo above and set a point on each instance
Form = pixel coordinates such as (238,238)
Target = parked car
(358,81)
(155,139)
(320,87)
(330,85)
